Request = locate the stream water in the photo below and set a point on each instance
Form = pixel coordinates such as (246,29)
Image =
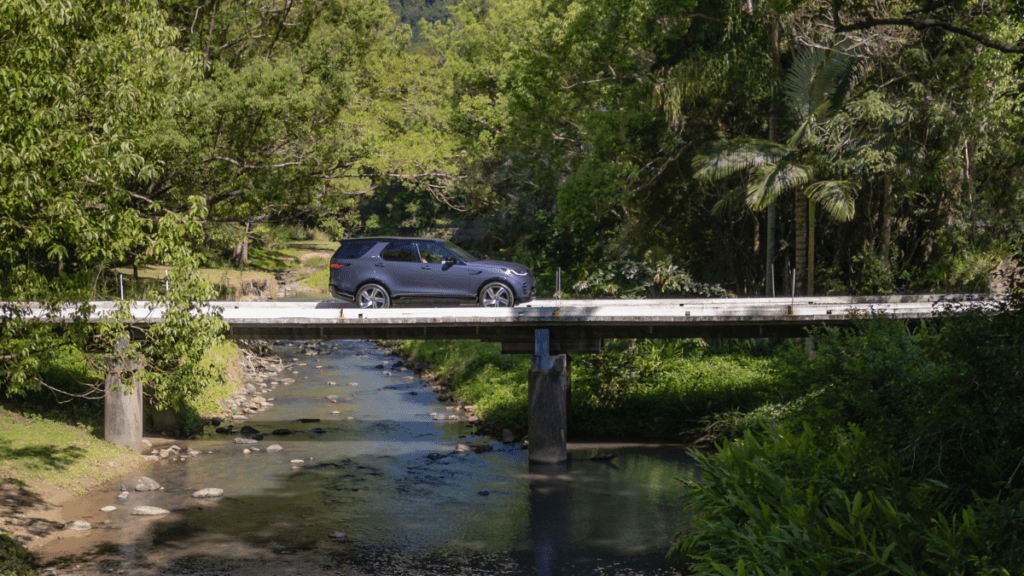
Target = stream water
(381,490)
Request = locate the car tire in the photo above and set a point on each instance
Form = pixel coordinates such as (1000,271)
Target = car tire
(497,295)
(373,296)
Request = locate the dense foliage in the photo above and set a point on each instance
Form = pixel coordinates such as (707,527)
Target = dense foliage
(900,452)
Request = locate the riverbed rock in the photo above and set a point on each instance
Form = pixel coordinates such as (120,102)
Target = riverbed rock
(208,493)
(146,484)
(149,511)
(281,432)
(249,430)
(338,536)
(245,441)
(353,383)
(308,420)
(122,496)
(333,398)
(274,448)
(463,448)
(481,448)
(78,525)
(108,508)
(507,436)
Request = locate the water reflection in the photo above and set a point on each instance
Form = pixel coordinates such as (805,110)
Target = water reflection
(550,515)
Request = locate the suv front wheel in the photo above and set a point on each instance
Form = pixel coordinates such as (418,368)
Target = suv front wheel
(373,296)
(496,295)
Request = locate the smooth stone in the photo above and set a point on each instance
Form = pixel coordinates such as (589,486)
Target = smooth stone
(79,525)
(122,496)
(245,441)
(146,484)
(338,536)
(108,508)
(462,448)
(274,448)
(507,436)
(281,432)
(308,420)
(148,511)
(208,493)
(296,461)
(353,383)
(246,451)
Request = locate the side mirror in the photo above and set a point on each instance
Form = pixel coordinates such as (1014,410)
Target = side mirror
(450,261)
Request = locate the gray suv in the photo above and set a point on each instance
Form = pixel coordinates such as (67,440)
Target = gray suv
(375,272)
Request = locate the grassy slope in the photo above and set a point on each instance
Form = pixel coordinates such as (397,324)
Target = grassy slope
(651,391)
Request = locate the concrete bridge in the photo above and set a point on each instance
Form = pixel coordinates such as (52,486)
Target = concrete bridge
(550,330)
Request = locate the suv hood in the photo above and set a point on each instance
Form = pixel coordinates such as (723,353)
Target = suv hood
(499,266)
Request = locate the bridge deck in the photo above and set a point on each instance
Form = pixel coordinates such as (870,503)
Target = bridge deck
(575,326)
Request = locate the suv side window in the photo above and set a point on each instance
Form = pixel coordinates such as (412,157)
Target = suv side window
(352,249)
(433,252)
(402,251)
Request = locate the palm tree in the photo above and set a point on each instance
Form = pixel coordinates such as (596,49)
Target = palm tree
(814,90)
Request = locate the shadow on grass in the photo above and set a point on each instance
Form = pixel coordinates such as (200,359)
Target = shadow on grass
(40,457)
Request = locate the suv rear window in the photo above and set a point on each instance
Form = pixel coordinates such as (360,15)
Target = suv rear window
(402,251)
(352,249)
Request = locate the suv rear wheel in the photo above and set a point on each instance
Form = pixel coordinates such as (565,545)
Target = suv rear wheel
(496,295)
(373,296)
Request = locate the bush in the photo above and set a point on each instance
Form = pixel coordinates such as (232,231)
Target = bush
(14,559)
(785,502)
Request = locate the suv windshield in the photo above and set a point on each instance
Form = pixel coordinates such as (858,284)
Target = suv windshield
(465,256)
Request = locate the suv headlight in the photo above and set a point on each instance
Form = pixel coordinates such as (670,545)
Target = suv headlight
(511,271)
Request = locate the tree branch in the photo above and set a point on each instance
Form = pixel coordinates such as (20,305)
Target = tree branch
(925,23)
(247,166)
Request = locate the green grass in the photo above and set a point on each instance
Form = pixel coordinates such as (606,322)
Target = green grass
(38,449)
(634,389)
(226,357)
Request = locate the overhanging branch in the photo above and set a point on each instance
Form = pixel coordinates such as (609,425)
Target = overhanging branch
(925,23)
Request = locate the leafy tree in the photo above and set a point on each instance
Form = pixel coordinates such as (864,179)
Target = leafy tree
(86,83)
(815,89)
(306,106)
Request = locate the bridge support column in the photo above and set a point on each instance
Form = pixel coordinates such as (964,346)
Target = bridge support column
(122,410)
(548,382)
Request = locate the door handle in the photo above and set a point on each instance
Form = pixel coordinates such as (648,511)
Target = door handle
(425,267)
(379,265)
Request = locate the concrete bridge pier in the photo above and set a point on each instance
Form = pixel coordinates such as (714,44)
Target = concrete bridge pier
(122,410)
(547,399)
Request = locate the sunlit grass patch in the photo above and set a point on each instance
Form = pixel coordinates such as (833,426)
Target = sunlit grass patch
(37,449)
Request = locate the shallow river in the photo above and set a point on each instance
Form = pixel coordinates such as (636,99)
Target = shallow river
(383,471)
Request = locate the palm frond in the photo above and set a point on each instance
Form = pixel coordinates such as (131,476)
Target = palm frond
(731,200)
(837,197)
(727,157)
(771,180)
(800,80)
(818,82)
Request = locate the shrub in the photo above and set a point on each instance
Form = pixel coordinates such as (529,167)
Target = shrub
(785,502)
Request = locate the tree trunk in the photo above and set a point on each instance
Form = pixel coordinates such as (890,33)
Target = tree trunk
(886,217)
(800,222)
(773,123)
(810,247)
(241,253)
